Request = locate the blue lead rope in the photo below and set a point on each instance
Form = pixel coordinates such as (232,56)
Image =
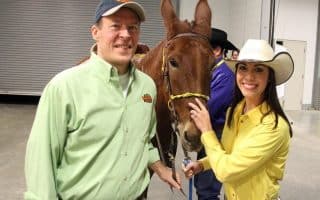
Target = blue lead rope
(186,161)
(190,188)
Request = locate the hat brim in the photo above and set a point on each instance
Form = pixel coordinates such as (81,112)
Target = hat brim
(229,46)
(225,44)
(282,64)
(135,7)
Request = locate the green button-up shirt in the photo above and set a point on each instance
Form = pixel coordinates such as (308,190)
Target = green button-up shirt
(251,157)
(88,141)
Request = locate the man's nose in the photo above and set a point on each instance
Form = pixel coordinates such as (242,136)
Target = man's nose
(124,31)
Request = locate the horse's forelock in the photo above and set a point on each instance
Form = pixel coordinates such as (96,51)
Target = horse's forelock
(178,27)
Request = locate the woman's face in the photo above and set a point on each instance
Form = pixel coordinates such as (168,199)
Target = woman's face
(252,80)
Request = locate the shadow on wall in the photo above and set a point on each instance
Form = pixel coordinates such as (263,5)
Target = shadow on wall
(19,99)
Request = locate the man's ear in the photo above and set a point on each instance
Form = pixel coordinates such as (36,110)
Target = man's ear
(95,32)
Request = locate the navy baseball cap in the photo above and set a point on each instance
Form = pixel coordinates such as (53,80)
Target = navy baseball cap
(109,7)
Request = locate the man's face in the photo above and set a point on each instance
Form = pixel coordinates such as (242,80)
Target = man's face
(217,52)
(117,37)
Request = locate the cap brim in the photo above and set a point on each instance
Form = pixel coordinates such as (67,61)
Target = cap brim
(135,7)
(282,64)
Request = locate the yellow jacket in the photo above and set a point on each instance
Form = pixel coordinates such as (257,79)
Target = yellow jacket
(251,157)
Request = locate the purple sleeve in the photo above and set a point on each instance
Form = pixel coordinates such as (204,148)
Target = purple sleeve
(221,94)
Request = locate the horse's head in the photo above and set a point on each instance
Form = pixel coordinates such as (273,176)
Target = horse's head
(187,62)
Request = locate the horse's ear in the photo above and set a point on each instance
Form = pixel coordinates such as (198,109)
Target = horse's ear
(172,23)
(202,17)
(169,17)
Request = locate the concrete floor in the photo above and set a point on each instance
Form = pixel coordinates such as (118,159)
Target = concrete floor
(301,181)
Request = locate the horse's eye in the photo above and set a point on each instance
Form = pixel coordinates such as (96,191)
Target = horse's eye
(173,63)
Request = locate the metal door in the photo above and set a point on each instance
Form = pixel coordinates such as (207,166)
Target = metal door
(293,88)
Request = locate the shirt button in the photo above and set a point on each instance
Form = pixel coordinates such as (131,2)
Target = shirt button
(125,129)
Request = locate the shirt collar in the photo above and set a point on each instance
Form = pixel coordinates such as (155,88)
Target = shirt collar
(218,60)
(256,113)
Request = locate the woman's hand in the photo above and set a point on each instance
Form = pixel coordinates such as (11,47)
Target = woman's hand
(200,116)
(192,168)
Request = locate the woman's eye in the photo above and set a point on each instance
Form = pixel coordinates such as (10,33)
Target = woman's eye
(242,67)
(260,68)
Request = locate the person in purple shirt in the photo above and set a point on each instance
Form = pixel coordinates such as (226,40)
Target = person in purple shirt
(221,93)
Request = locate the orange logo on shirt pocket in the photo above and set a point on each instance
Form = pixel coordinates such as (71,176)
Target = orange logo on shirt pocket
(147,98)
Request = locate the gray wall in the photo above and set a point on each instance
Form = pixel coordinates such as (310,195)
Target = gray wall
(39,38)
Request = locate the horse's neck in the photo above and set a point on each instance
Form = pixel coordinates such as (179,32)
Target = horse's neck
(151,64)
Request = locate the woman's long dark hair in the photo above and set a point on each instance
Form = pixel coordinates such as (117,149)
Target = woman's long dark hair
(270,96)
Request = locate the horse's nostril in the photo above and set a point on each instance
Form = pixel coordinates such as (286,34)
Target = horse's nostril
(187,137)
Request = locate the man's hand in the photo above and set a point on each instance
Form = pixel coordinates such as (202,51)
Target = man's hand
(165,174)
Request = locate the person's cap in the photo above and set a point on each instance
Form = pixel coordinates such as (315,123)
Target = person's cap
(109,7)
(220,38)
(259,51)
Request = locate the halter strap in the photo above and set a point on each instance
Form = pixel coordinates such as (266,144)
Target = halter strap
(189,94)
(186,95)
(190,35)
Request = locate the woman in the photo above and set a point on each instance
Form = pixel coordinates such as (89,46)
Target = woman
(251,157)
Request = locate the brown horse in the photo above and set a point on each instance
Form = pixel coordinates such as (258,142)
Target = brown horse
(180,66)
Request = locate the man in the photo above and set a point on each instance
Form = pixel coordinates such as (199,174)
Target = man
(221,91)
(91,134)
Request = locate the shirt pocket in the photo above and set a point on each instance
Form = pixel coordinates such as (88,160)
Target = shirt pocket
(140,117)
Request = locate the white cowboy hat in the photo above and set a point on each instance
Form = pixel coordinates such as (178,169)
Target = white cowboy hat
(260,51)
